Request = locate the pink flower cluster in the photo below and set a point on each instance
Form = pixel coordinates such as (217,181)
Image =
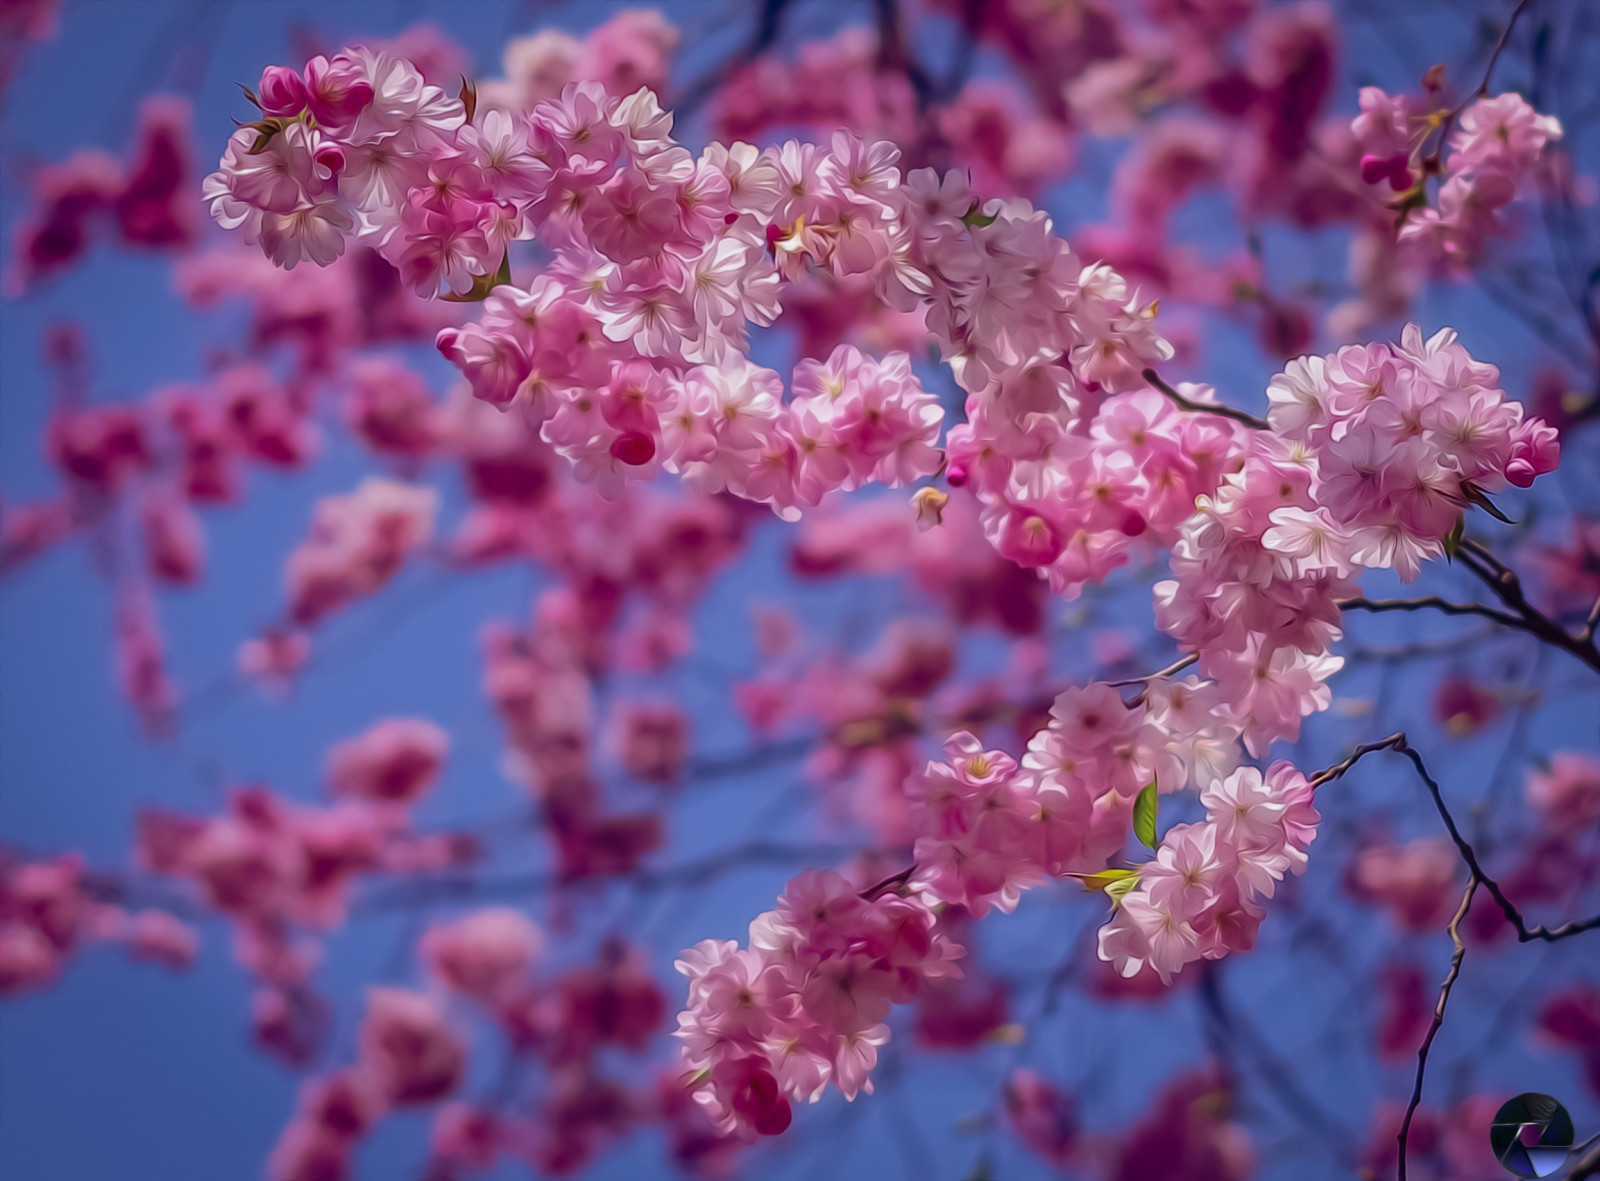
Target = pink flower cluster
(1414,881)
(48,911)
(632,49)
(1567,793)
(804,1005)
(592,343)
(1069,465)
(1200,897)
(1375,454)
(412,1052)
(356,545)
(148,203)
(1497,146)
(1403,437)
(282,873)
(395,762)
(991,827)
(409,1055)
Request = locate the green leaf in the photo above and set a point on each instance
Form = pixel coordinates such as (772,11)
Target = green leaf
(1453,539)
(1105,880)
(1117,889)
(266,129)
(1479,497)
(482,285)
(976,219)
(1144,815)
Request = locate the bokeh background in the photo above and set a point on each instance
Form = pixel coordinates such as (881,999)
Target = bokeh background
(125,1071)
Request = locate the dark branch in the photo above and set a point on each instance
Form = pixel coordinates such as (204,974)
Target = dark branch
(1507,587)
(1450,978)
(893,882)
(768,25)
(1431,603)
(1249,420)
(1525,934)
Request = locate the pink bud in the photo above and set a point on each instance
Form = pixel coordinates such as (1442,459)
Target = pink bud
(1395,168)
(336,91)
(955,475)
(330,159)
(634,448)
(282,92)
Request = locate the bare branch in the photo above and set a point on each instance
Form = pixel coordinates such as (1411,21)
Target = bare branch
(1438,1018)
(1507,587)
(1249,420)
(1525,934)
(1431,603)
(1171,670)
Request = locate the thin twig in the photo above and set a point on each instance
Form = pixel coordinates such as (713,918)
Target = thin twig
(893,882)
(1525,934)
(1171,670)
(1450,978)
(1507,587)
(1431,603)
(1249,420)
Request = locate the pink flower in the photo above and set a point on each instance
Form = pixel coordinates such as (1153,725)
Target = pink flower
(485,955)
(357,544)
(336,91)
(396,761)
(1502,131)
(1041,1116)
(1463,707)
(1568,792)
(1415,881)
(416,1057)
(159,937)
(282,92)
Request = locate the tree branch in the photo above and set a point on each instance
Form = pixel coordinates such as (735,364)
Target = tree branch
(1431,603)
(1438,1018)
(768,25)
(1507,587)
(1249,420)
(1525,934)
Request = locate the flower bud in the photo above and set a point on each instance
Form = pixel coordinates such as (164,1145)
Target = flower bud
(283,92)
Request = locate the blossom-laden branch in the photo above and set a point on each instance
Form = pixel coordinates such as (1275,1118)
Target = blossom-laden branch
(630,353)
